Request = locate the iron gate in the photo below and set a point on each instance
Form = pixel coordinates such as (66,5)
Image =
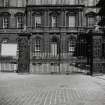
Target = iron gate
(77,59)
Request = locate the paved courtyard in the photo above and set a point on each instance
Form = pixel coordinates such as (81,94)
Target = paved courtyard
(28,89)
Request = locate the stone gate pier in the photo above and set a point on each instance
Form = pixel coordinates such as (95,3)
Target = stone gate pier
(23,52)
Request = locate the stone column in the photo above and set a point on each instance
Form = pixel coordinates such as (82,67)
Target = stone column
(24,53)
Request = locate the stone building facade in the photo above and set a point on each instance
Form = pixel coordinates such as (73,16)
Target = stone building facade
(55,27)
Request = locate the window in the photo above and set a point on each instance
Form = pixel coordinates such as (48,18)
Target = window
(71,45)
(71,2)
(90,21)
(38,2)
(37,21)
(54,1)
(53,21)
(54,49)
(19,3)
(91,2)
(71,21)
(54,46)
(37,45)
(19,21)
(5,22)
(68,2)
(6,3)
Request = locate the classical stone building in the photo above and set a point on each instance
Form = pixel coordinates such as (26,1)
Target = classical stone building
(59,34)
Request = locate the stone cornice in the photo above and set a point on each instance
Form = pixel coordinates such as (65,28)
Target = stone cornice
(55,7)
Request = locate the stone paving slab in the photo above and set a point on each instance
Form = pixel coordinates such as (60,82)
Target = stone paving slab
(50,90)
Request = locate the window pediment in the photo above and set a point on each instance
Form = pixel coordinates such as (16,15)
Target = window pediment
(71,13)
(37,12)
(54,13)
(19,14)
(5,14)
(91,13)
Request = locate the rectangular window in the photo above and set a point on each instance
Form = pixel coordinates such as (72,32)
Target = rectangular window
(6,3)
(69,2)
(54,1)
(37,21)
(71,49)
(91,21)
(19,3)
(5,22)
(54,49)
(53,21)
(71,46)
(72,2)
(38,2)
(49,1)
(71,21)
(37,46)
(91,2)
(19,22)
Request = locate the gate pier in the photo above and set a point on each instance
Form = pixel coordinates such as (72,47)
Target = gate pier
(23,53)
